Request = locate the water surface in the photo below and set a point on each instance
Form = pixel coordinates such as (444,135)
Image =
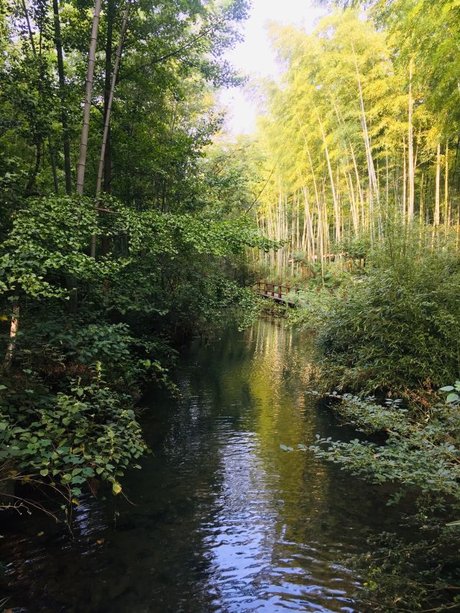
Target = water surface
(220,518)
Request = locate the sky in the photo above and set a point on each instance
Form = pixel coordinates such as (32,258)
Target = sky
(255,58)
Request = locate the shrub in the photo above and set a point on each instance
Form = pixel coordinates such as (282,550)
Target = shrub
(397,328)
(418,463)
(68,438)
(419,453)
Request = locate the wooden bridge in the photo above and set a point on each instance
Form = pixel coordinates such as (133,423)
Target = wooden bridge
(277,292)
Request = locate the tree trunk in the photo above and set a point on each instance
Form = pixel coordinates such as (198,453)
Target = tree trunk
(100,171)
(62,96)
(107,180)
(353,206)
(311,251)
(81,166)
(446,188)
(34,172)
(437,196)
(359,188)
(53,166)
(110,101)
(333,188)
(410,152)
(29,27)
(319,240)
(373,187)
(404,183)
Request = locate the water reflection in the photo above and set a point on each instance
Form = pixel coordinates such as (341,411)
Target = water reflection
(261,557)
(222,518)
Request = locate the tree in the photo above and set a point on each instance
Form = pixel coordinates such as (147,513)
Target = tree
(81,166)
(354,133)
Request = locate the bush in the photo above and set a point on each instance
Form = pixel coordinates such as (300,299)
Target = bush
(420,452)
(68,438)
(396,329)
(110,346)
(313,305)
(418,462)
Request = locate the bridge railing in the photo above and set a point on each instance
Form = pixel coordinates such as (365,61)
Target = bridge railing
(274,290)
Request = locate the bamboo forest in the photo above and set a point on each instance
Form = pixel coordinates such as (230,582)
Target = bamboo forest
(229,356)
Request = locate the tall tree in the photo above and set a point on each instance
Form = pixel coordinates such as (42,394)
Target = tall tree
(62,95)
(81,166)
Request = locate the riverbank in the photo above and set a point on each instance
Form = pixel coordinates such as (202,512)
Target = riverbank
(387,346)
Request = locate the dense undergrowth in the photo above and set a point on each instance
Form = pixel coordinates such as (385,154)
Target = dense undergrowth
(396,331)
(417,460)
(387,339)
(391,327)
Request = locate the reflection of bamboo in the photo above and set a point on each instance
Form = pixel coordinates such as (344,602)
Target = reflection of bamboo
(283,417)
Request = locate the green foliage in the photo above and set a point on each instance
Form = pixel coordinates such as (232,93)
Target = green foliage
(426,33)
(46,249)
(173,53)
(418,463)
(68,438)
(230,176)
(157,273)
(111,349)
(396,328)
(354,247)
(364,124)
(411,574)
(418,452)
(453,393)
(102,343)
(313,305)
(46,254)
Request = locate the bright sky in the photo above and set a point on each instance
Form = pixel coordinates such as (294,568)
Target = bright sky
(255,58)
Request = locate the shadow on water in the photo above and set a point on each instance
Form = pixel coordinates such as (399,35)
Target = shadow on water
(221,518)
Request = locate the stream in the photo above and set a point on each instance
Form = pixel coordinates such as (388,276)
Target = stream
(220,518)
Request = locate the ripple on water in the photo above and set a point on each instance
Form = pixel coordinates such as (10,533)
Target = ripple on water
(222,519)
